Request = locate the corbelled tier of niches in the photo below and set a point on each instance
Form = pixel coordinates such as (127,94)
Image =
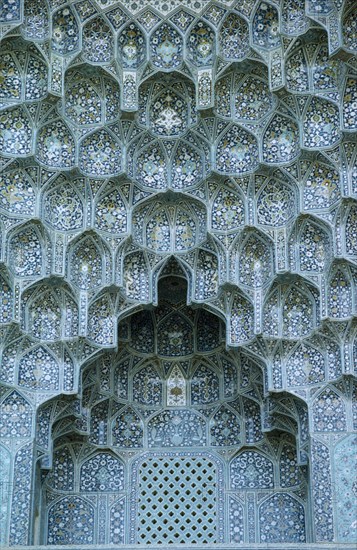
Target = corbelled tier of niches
(178,272)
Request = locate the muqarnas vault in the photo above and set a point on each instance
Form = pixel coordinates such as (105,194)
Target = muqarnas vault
(178,272)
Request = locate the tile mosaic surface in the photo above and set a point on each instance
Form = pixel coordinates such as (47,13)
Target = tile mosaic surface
(178,272)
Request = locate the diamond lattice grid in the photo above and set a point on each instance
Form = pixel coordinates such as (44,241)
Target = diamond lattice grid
(177,501)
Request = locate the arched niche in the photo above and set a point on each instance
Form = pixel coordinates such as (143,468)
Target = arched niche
(91,96)
(36,21)
(341,291)
(233,38)
(200,44)
(132,46)
(65,39)
(16,132)
(172,280)
(24,73)
(297,71)
(253,259)
(293,18)
(100,154)
(265,25)
(63,204)
(88,262)
(18,193)
(321,189)
(321,124)
(281,140)
(50,311)
(236,151)
(102,329)
(311,246)
(166,47)
(27,251)
(291,310)
(97,41)
(244,98)
(169,225)
(167,106)
(55,147)
(276,201)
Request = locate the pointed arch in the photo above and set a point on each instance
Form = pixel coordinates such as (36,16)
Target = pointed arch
(63,204)
(329,412)
(147,386)
(18,193)
(16,416)
(175,336)
(304,366)
(16,132)
(275,523)
(86,262)
(27,250)
(176,391)
(150,166)
(127,429)
(204,385)
(166,47)
(290,311)
(65,38)
(225,428)
(102,329)
(312,245)
(100,154)
(200,44)
(132,47)
(50,312)
(39,370)
(188,166)
(102,472)
(173,274)
(321,124)
(97,41)
(236,151)
(55,146)
(240,320)
(254,258)
(251,469)
(340,297)
(293,18)
(244,108)
(234,38)
(321,187)
(63,514)
(35,24)
(111,211)
(265,27)
(276,203)
(281,140)
(227,209)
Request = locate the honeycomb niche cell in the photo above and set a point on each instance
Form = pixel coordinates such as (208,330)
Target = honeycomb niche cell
(178,274)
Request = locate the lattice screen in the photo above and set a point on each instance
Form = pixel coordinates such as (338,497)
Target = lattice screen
(177,501)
